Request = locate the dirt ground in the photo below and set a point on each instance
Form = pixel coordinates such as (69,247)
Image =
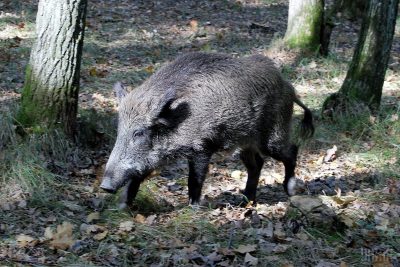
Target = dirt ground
(348,214)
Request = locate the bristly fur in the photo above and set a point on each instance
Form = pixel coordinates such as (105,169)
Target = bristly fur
(202,103)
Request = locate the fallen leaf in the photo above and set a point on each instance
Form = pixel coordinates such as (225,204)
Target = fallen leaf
(330,154)
(214,257)
(93,217)
(62,238)
(150,220)
(347,219)
(312,65)
(252,261)
(381,260)
(139,218)
(278,177)
(394,117)
(302,236)
(194,24)
(100,236)
(126,226)
(93,229)
(149,69)
(320,160)
(279,233)
(24,241)
(343,200)
(225,263)
(190,249)
(306,204)
(280,248)
(48,233)
(246,248)
(93,71)
(267,231)
(236,174)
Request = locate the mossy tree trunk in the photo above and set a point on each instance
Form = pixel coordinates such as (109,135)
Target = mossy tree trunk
(304,24)
(50,94)
(365,77)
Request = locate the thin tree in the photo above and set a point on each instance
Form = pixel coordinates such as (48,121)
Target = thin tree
(353,10)
(304,24)
(365,77)
(50,94)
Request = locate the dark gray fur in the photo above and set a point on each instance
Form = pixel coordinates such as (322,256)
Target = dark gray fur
(197,105)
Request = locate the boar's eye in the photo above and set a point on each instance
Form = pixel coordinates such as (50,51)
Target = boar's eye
(138,133)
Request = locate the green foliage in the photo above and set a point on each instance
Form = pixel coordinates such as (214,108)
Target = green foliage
(369,140)
(189,225)
(24,164)
(146,199)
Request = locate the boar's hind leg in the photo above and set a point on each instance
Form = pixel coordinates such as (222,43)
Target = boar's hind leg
(198,168)
(253,162)
(287,154)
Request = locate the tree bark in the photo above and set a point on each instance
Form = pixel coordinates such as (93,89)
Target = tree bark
(50,94)
(304,24)
(366,74)
(353,9)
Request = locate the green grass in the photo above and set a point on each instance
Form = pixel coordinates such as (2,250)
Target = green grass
(189,224)
(147,200)
(27,164)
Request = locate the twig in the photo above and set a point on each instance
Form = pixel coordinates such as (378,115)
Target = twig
(230,238)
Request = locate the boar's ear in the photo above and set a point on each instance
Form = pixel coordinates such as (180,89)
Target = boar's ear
(120,91)
(172,111)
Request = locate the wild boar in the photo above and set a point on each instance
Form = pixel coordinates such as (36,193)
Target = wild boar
(197,105)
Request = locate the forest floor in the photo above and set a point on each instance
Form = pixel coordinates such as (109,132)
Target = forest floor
(52,212)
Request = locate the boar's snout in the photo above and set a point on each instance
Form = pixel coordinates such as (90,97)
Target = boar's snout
(107,186)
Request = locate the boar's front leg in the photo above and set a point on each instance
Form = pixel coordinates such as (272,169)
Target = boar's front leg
(198,168)
(129,193)
(253,162)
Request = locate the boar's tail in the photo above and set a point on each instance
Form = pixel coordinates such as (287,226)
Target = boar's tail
(306,127)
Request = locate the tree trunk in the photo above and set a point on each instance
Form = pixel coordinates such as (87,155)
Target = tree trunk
(50,94)
(304,24)
(352,9)
(367,70)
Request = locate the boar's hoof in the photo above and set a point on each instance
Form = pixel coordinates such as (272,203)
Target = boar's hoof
(106,186)
(197,205)
(295,186)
